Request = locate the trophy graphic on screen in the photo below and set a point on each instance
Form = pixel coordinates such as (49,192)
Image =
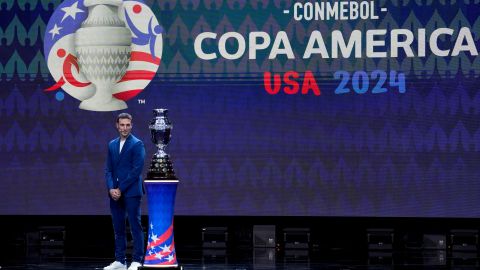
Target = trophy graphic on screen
(103,47)
(161,185)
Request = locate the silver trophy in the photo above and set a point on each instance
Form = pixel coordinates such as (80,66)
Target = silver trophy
(160,129)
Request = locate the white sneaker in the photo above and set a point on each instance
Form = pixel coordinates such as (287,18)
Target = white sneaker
(116,265)
(134,266)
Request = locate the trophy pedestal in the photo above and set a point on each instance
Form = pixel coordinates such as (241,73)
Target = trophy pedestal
(160,252)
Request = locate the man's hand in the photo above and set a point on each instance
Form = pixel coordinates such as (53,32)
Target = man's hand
(115,193)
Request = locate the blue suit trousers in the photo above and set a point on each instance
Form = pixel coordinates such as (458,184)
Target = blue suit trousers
(127,206)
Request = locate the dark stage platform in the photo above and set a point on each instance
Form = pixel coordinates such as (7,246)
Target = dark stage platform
(86,242)
(266,259)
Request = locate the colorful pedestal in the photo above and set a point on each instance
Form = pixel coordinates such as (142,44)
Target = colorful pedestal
(160,252)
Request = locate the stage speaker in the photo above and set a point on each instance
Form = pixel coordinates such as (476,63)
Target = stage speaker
(434,241)
(264,236)
(52,240)
(296,238)
(380,239)
(214,237)
(52,236)
(464,240)
(413,240)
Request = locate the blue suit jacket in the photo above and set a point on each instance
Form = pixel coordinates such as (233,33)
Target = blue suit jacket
(124,170)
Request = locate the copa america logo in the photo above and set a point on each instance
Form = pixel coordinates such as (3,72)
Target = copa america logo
(102,52)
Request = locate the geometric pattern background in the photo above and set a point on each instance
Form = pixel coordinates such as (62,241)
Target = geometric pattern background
(238,150)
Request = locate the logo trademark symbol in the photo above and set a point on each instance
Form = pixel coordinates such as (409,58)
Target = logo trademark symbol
(141,101)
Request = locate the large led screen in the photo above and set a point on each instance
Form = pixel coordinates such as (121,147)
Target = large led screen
(279,108)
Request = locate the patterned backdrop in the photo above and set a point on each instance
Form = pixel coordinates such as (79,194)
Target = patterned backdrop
(238,150)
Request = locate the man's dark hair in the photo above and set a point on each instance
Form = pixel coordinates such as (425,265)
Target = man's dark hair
(124,116)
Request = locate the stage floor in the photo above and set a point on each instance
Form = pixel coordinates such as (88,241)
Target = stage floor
(267,259)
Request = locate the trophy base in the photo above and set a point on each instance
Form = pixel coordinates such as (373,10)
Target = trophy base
(161,168)
(100,105)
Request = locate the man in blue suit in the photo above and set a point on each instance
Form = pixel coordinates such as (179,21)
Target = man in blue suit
(123,176)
